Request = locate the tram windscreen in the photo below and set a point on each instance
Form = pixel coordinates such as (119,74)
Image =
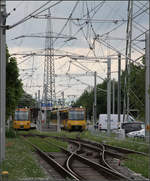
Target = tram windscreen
(21,115)
(76,115)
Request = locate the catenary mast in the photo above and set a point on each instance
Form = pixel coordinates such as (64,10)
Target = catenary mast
(128,54)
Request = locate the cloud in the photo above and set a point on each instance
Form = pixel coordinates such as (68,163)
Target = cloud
(84,39)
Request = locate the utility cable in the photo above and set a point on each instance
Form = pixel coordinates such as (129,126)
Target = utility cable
(67,20)
(24,61)
(31,14)
(84,24)
(28,16)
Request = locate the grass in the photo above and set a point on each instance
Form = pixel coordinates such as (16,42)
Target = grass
(44,146)
(138,163)
(113,141)
(101,137)
(20,162)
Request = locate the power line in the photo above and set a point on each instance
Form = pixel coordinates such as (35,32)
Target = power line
(67,19)
(31,14)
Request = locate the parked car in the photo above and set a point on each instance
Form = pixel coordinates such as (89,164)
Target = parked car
(133,126)
(140,134)
(114,124)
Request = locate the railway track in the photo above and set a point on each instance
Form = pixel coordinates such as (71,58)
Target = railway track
(113,148)
(49,158)
(79,167)
(108,148)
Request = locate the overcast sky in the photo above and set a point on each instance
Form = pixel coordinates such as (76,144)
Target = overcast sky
(114,16)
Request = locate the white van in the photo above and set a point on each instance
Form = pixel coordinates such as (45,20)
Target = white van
(114,124)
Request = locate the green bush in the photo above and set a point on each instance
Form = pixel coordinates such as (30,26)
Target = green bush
(10,133)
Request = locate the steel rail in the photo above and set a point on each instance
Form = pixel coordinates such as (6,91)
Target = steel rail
(103,151)
(103,157)
(120,149)
(69,161)
(96,149)
(116,155)
(62,171)
(100,168)
(68,165)
(106,169)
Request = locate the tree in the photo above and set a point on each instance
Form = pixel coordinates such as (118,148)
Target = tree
(137,93)
(26,100)
(136,87)
(14,88)
(86,100)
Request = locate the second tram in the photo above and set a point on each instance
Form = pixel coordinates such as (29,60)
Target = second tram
(70,118)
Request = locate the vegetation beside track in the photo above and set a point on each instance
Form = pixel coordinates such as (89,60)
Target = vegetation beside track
(20,162)
(136,145)
(128,143)
(138,163)
(47,146)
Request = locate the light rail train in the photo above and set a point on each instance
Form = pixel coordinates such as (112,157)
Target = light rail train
(21,119)
(70,118)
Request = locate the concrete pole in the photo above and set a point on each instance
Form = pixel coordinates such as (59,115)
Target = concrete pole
(95,99)
(147,89)
(38,95)
(38,98)
(113,96)
(63,100)
(2,78)
(119,87)
(108,95)
(58,121)
(93,116)
(36,104)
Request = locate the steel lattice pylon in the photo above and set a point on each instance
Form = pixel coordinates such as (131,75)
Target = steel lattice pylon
(126,106)
(49,67)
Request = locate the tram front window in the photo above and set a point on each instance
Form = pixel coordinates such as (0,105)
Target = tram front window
(21,116)
(76,115)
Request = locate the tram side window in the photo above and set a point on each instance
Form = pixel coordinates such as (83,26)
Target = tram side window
(64,115)
(53,116)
